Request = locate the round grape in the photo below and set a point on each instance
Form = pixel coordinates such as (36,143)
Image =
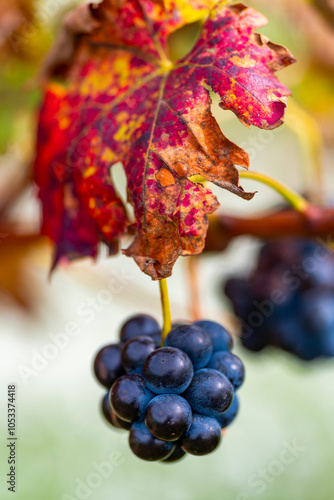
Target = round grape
(220,338)
(229,415)
(238,291)
(139,325)
(194,341)
(135,352)
(230,365)
(176,455)
(111,416)
(129,397)
(157,338)
(168,416)
(168,370)
(147,447)
(203,437)
(108,365)
(210,392)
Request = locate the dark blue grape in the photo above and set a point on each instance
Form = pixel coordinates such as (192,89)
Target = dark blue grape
(129,397)
(229,415)
(147,447)
(157,338)
(230,365)
(220,338)
(135,352)
(308,348)
(168,416)
(256,339)
(286,332)
(168,370)
(238,291)
(176,324)
(210,392)
(323,274)
(317,310)
(194,341)
(176,456)
(327,342)
(111,416)
(139,325)
(203,437)
(108,365)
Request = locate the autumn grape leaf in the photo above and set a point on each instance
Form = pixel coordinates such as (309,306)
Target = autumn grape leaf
(124,100)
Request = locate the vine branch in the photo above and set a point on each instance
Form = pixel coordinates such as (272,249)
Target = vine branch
(316,222)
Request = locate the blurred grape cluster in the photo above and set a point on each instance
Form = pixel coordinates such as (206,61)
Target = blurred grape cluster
(288,299)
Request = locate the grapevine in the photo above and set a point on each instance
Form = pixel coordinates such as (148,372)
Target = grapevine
(117,89)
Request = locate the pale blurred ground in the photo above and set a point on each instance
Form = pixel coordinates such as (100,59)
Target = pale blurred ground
(61,436)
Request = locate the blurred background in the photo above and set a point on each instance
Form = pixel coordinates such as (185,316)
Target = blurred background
(281,445)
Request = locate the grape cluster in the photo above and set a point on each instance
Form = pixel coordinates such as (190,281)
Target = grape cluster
(174,399)
(288,300)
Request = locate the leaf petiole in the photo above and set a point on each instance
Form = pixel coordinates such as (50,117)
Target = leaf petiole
(294,199)
(167,322)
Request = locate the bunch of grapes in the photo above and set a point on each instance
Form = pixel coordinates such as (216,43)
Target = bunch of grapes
(174,399)
(288,300)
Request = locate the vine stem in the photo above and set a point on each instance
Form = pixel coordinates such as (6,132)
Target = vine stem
(167,321)
(294,199)
(193,274)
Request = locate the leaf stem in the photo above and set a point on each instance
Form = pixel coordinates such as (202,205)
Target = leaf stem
(294,199)
(167,322)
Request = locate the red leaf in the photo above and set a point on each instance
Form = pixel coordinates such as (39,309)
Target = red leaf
(126,101)
(79,208)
